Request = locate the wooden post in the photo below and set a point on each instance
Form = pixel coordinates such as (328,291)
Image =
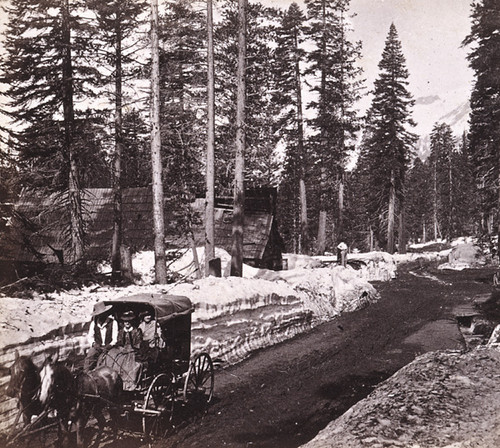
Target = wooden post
(127,272)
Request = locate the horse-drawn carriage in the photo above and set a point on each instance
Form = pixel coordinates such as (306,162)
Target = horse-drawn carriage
(171,378)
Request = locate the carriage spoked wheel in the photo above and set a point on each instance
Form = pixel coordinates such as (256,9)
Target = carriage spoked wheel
(158,409)
(199,382)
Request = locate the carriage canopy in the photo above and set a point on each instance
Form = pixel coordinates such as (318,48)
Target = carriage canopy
(164,306)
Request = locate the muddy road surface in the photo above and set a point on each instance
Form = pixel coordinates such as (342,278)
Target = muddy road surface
(282,396)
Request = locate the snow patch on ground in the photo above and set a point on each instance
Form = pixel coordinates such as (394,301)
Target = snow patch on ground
(464,256)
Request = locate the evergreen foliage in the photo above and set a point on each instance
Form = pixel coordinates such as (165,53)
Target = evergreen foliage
(419,201)
(183,102)
(32,68)
(388,144)
(136,151)
(289,56)
(336,84)
(443,172)
(484,134)
(261,112)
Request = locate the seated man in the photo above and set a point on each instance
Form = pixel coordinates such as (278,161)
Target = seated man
(152,339)
(151,333)
(103,334)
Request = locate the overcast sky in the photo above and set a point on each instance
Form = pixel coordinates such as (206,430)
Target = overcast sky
(430,31)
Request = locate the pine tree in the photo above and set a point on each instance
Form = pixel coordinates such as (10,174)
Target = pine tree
(136,152)
(442,159)
(333,64)
(46,70)
(240,145)
(389,143)
(466,194)
(183,108)
(117,19)
(289,57)
(156,159)
(210,157)
(484,134)
(419,201)
(183,98)
(261,112)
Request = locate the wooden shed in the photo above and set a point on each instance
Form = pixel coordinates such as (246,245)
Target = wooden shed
(40,229)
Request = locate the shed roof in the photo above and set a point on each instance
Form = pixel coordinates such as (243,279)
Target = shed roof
(46,223)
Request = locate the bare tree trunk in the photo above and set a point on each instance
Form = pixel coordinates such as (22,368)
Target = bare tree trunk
(498,205)
(390,215)
(450,195)
(210,180)
(304,224)
(75,200)
(127,272)
(321,243)
(239,187)
(402,229)
(340,225)
(117,167)
(435,203)
(321,240)
(158,216)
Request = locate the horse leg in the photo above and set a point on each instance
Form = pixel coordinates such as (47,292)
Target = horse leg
(62,429)
(80,424)
(101,423)
(81,418)
(114,415)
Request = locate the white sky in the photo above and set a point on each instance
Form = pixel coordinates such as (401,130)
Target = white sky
(430,31)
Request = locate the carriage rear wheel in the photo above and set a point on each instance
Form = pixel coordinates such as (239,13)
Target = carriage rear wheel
(159,406)
(199,383)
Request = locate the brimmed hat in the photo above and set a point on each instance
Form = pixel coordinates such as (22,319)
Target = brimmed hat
(100,308)
(127,316)
(146,313)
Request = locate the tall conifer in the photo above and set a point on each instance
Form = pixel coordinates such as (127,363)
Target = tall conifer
(288,96)
(46,69)
(484,135)
(332,63)
(261,111)
(389,143)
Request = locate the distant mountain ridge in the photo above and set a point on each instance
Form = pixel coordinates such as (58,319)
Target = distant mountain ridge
(433,109)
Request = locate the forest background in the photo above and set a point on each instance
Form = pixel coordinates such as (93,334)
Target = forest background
(79,72)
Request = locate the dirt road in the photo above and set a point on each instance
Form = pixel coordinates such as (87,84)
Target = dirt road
(282,396)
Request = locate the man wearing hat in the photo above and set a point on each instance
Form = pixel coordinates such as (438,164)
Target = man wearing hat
(103,334)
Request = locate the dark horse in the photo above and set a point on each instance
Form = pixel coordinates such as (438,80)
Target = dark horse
(78,397)
(24,385)
(98,389)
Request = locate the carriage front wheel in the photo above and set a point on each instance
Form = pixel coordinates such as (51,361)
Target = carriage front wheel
(199,383)
(158,409)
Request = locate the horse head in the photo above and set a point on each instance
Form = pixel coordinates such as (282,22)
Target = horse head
(24,378)
(47,379)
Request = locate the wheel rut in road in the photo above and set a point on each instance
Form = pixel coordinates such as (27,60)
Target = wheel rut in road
(281,396)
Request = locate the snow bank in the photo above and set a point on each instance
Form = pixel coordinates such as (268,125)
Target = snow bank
(464,256)
(304,289)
